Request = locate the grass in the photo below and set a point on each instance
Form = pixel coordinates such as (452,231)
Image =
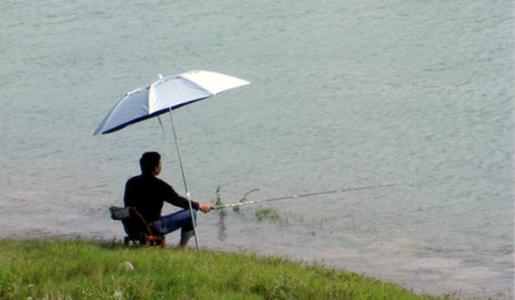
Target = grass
(92,270)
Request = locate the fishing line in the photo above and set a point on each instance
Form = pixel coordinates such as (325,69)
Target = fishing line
(317,194)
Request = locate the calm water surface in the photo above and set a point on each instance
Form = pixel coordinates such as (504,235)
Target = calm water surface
(345,94)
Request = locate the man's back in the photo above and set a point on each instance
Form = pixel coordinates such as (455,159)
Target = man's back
(147,193)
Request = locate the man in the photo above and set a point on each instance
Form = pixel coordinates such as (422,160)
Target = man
(148,193)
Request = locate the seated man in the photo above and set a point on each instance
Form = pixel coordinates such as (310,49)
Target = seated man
(148,193)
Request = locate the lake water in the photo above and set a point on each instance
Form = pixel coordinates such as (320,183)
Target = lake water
(344,94)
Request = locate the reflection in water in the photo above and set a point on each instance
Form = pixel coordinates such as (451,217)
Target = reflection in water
(222,234)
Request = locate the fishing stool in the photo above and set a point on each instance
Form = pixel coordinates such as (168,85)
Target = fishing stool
(137,229)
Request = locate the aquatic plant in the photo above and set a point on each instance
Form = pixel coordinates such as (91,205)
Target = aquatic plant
(218,201)
(267,213)
(243,199)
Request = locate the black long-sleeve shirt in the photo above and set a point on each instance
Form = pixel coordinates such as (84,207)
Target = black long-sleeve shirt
(148,193)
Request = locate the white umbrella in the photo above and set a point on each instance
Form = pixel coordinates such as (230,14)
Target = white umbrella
(164,95)
(167,93)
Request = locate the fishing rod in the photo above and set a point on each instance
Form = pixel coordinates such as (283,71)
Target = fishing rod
(314,194)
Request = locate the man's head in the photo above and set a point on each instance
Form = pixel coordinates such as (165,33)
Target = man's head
(150,163)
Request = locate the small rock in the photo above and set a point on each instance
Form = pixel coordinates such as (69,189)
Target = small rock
(118,295)
(127,266)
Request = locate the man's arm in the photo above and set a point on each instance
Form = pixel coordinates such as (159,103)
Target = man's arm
(175,199)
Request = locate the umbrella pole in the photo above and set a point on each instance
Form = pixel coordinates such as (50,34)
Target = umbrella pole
(184,180)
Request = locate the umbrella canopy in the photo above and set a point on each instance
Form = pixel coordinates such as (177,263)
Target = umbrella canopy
(170,92)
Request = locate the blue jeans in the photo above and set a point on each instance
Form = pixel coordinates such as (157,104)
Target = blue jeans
(174,221)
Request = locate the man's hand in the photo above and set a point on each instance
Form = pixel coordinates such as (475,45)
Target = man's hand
(205,208)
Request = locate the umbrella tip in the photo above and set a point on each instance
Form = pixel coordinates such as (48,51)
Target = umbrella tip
(160,76)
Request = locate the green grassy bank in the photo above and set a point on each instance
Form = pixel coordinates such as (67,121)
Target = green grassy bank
(91,270)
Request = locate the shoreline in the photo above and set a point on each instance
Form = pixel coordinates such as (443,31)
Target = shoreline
(41,263)
(118,243)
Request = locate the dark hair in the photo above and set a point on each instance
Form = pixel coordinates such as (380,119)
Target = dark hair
(148,162)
